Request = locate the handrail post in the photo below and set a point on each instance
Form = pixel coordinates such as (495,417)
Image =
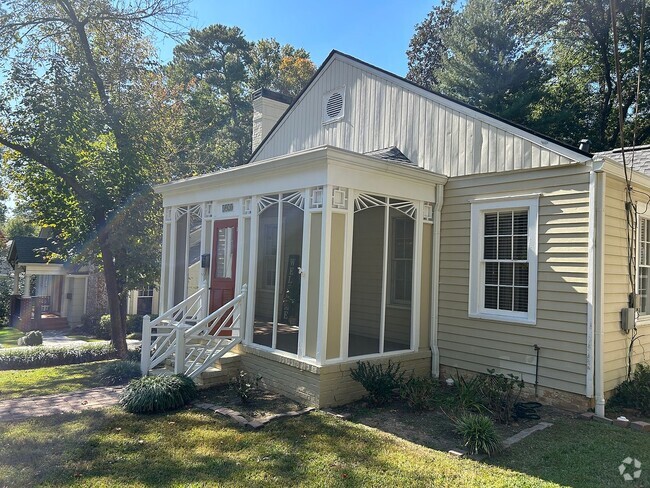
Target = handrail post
(179,360)
(242,310)
(145,351)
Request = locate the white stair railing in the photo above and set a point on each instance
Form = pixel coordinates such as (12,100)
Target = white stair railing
(194,347)
(159,336)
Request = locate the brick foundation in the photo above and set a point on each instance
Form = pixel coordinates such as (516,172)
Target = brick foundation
(547,396)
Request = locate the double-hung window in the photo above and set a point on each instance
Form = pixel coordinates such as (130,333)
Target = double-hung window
(643,267)
(503,255)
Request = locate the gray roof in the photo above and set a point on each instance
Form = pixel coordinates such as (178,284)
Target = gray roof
(30,250)
(390,154)
(637,158)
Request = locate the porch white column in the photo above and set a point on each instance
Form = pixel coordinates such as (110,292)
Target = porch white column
(26,292)
(16,281)
(323,303)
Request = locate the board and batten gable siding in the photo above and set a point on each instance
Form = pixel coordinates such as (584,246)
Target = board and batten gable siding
(381,111)
(617,286)
(561,330)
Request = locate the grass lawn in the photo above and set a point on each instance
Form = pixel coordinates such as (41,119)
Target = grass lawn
(9,336)
(47,381)
(580,453)
(79,337)
(189,448)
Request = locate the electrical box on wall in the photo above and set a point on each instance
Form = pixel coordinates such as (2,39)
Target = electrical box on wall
(205,261)
(627,319)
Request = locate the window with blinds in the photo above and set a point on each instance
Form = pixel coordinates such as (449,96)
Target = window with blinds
(503,259)
(643,274)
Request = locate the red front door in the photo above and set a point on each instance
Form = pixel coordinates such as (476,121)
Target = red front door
(224,252)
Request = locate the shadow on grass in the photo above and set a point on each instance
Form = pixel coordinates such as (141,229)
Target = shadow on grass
(112,448)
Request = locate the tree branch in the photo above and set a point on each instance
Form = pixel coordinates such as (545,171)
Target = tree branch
(45,161)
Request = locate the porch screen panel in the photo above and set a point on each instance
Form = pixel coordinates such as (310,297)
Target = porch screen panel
(366,281)
(291,260)
(194,251)
(313,275)
(179,259)
(267,256)
(397,331)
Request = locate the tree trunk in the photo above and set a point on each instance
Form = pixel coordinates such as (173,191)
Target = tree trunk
(118,323)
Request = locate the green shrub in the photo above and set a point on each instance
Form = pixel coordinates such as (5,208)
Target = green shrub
(478,433)
(635,392)
(103,330)
(134,336)
(40,356)
(500,393)
(419,392)
(244,386)
(118,373)
(469,394)
(378,381)
(134,354)
(151,394)
(32,338)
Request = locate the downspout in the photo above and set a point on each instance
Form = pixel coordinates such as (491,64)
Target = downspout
(591,285)
(435,282)
(599,291)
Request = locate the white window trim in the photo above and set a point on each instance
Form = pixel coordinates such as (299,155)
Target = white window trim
(640,319)
(477,273)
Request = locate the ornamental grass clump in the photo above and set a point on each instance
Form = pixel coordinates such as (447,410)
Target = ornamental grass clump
(152,394)
(478,433)
(379,381)
(419,392)
(118,372)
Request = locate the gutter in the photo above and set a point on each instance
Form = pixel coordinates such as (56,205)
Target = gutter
(435,282)
(596,288)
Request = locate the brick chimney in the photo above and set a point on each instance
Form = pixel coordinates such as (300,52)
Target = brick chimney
(268,107)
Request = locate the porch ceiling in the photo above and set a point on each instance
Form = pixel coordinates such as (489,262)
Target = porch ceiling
(315,167)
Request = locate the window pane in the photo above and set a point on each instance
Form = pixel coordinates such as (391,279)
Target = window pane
(505,223)
(505,298)
(491,273)
(644,274)
(505,274)
(505,247)
(520,226)
(491,224)
(521,274)
(491,293)
(520,247)
(490,248)
(521,300)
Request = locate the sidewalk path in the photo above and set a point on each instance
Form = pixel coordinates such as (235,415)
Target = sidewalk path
(24,408)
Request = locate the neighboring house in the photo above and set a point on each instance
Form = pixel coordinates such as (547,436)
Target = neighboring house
(50,294)
(377,220)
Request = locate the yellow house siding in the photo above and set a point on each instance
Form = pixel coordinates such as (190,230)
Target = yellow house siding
(560,331)
(617,287)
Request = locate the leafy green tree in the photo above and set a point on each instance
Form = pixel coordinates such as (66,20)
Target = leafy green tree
(284,69)
(82,117)
(427,47)
(17,226)
(578,38)
(213,74)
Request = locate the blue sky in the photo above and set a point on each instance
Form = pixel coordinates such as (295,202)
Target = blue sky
(377,32)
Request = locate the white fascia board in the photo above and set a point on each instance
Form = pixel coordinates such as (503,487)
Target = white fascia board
(371,175)
(609,166)
(313,167)
(44,269)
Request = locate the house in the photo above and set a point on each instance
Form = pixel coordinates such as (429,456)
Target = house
(380,221)
(49,294)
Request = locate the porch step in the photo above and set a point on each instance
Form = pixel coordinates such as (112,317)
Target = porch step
(219,374)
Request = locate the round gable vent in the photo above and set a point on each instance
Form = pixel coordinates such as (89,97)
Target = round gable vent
(333,106)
